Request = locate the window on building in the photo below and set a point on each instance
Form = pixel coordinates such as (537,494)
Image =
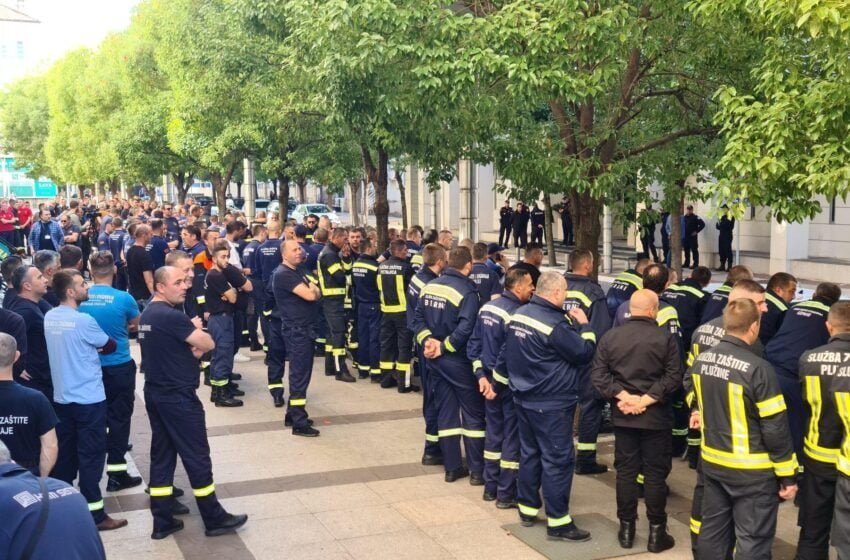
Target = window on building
(832,208)
(20,49)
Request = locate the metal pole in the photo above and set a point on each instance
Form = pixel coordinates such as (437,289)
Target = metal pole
(249,181)
(473,202)
(738,242)
(464,177)
(435,216)
(607,240)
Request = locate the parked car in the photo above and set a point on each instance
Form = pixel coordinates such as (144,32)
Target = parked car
(274,206)
(320,210)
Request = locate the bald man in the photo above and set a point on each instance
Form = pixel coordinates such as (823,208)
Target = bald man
(637,367)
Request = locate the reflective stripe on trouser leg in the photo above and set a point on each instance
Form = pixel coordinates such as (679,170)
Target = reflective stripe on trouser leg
(389,343)
(493,443)
(509,465)
(300,349)
(178,426)
(119,384)
(220,328)
(429,407)
(335,317)
(276,366)
(546,459)
(590,420)
(457,395)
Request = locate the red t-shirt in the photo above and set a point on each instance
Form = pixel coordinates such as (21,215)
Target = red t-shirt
(24,214)
(7,214)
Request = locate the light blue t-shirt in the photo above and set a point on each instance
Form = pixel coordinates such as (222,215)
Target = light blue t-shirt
(72,342)
(112,309)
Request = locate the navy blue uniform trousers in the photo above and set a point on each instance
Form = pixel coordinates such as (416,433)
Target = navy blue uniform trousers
(369,343)
(591,404)
(501,445)
(429,405)
(276,362)
(119,382)
(82,449)
(547,460)
(298,340)
(460,412)
(178,427)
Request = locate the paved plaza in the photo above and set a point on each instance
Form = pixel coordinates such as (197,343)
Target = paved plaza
(358,491)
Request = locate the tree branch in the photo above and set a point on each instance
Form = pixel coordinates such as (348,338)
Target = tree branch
(664,140)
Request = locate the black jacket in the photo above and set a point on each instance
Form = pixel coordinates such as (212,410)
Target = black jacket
(640,358)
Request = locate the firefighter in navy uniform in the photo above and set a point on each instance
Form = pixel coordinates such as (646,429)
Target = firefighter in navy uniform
(501,442)
(274,344)
(349,256)
(443,322)
(256,310)
(825,374)
(333,283)
(488,282)
(320,239)
(364,277)
(748,460)
(718,299)
(803,328)
(394,276)
(781,289)
(546,352)
(689,298)
(433,263)
(624,285)
(296,299)
(171,343)
(708,336)
(266,260)
(585,294)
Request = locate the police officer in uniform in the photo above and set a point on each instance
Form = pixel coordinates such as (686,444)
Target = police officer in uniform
(585,294)
(364,277)
(719,298)
(824,372)
(171,344)
(333,283)
(746,451)
(433,263)
(296,299)
(394,276)
(506,219)
(624,285)
(781,289)
(803,328)
(725,227)
(689,298)
(488,282)
(501,442)
(538,221)
(546,351)
(443,322)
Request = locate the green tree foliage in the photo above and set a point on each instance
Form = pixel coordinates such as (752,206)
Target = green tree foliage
(24,124)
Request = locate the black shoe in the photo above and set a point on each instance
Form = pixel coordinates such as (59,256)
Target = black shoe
(278,401)
(178,509)
(626,534)
(527,520)
(207,381)
(659,539)
(506,504)
(234,391)
(307,431)
(287,421)
(377,378)
(488,496)
(363,375)
(568,532)
(176,525)
(345,377)
(222,398)
(430,460)
(236,377)
(256,347)
(388,381)
(592,468)
(476,479)
(457,474)
(410,389)
(122,481)
(227,525)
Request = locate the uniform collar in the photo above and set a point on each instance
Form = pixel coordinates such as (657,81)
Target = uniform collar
(842,336)
(736,341)
(453,272)
(545,303)
(11,469)
(642,319)
(368,257)
(510,295)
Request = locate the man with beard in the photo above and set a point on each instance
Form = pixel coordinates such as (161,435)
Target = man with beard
(74,343)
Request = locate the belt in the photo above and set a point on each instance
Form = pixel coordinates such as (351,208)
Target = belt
(221,313)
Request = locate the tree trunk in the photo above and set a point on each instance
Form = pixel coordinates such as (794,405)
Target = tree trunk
(547,229)
(377,175)
(302,190)
(182,183)
(676,238)
(403,194)
(586,211)
(283,195)
(220,183)
(354,199)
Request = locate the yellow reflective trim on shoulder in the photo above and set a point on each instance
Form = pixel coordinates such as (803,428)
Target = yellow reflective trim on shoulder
(780,304)
(203,492)
(417,259)
(417,282)
(492,455)
(497,311)
(201,299)
(161,491)
(575,294)
(632,279)
(442,291)
(814,305)
(724,289)
(589,335)
(771,406)
(688,289)
(365,266)
(96,506)
(559,521)
(334,268)
(533,323)
(500,378)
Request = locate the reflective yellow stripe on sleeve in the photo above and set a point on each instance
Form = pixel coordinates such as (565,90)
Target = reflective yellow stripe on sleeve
(771,406)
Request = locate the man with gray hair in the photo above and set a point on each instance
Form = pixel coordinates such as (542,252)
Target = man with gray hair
(68,531)
(30,428)
(48,263)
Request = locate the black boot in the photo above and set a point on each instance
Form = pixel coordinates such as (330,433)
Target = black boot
(278,401)
(121,481)
(626,534)
(659,539)
(388,381)
(222,398)
(233,390)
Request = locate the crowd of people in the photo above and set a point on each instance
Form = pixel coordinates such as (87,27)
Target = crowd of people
(746,386)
